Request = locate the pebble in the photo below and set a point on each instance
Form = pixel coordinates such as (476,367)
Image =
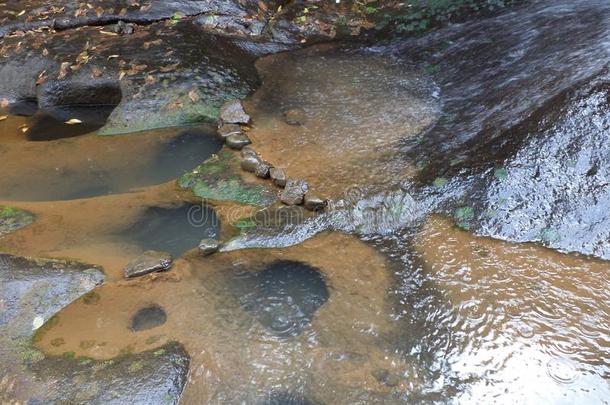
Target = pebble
(293,192)
(262,170)
(208,246)
(250,163)
(314,203)
(225,130)
(278,176)
(237,141)
(232,112)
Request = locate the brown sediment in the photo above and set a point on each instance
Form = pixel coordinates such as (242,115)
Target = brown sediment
(357,110)
(230,351)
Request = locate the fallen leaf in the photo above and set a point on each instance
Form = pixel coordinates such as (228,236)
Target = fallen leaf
(96,71)
(24,129)
(22,12)
(63,70)
(109,33)
(45,52)
(121,75)
(73,121)
(169,68)
(113,56)
(3,117)
(42,77)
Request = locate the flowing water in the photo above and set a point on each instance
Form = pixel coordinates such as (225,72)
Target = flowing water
(380,299)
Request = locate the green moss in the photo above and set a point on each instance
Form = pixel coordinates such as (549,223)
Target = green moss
(218,179)
(463,216)
(12,219)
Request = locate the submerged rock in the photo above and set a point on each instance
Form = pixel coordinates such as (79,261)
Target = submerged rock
(12,219)
(294,116)
(219,178)
(293,192)
(262,170)
(232,112)
(148,318)
(148,262)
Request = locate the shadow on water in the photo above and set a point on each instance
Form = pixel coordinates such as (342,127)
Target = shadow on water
(283,297)
(89,166)
(174,230)
(51,125)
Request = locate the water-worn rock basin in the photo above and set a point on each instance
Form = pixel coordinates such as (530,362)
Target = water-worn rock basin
(455,251)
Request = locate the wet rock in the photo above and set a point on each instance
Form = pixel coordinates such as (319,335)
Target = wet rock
(237,141)
(155,376)
(314,203)
(156,90)
(219,178)
(250,163)
(551,185)
(232,112)
(32,291)
(148,318)
(12,219)
(150,261)
(294,116)
(278,176)
(248,151)
(385,377)
(293,192)
(123,28)
(262,170)
(225,130)
(208,246)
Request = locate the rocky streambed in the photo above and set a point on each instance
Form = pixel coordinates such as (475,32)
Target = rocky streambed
(281,209)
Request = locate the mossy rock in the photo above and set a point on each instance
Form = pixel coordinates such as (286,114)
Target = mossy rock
(218,179)
(12,219)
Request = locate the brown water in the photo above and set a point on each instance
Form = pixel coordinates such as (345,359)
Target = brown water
(404,308)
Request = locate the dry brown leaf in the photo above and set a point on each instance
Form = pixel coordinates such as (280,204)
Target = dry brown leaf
(42,77)
(121,75)
(169,68)
(194,96)
(174,105)
(96,71)
(3,117)
(149,79)
(109,33)
(73,121)
(63,70)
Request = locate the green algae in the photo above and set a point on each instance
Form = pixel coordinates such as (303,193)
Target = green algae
(12,219)
(218,179)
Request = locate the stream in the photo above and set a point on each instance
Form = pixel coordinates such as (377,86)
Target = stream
(462,256)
